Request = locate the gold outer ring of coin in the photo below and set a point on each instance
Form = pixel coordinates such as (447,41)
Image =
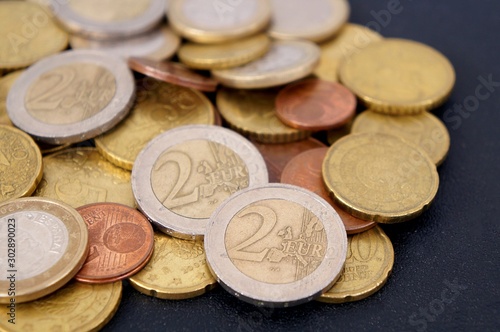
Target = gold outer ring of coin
(380,177)
(226,55)
(62,270)
(398,76)
(182,25)
(373,247)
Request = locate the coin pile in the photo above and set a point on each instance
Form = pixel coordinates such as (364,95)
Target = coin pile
(244,163)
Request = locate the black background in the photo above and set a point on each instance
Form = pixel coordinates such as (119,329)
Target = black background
(456,240)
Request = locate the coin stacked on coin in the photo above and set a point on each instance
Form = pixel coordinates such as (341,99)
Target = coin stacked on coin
(212,168)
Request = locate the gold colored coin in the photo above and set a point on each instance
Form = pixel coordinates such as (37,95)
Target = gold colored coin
(5,85)
(253,114)
(159,107)
(380,177)
(351,39)
(27,34)
(75,307)
(398,76)
(81,176)
(20,164)
(370,257)
(424,130)
(334,135)
(226,55)
(177,270)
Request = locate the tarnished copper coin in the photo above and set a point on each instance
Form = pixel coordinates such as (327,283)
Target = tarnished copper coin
(315,105)
(172,72)
(277,156)
(304,170)
(120,240)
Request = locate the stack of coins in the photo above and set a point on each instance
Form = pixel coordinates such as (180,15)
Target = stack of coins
(261,158)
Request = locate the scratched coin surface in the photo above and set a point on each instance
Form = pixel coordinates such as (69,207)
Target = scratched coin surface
(182,175)
(80,176)
(120,241)
(315,105)
(424,130)
(399,76)
(304,170)
(74,307)
(6,83)
(27,34)
(71,96)
(380,177)
(314,20)
(370,257)
(159,107)
(215,22)
(286,61)
(109,19)
(177,270)
(276,245)
(49,246)
(20,164)
(253,114)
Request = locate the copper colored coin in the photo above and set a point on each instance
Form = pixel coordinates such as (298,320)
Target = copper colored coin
(277,156)
(172,72)
(315,105)
(304,170)
(120,241)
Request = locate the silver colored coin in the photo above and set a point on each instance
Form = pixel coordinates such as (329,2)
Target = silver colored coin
(182,175)
(159,44)
(108,19)
(315,20)
(72,96)
(276,245)
(286,61)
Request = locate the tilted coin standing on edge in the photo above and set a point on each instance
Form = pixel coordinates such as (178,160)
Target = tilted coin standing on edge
(72,96)
(182,175)
(50,246)
(276,245)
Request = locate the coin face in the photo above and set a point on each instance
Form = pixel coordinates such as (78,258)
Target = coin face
(71,97)
(380,177)
(286,61)
(6,83)
(315,20)
(399,76)
(182,175)
(50,243)
(275,245)
(109,19)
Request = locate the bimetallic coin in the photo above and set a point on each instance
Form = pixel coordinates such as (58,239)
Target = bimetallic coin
(159,44)
(370,257)
(286,61)
(48,243)
(182,175)
(351,39)
(398,76)
(72,96)
(108,19)
(315,105)
(27,34)
(314,20)
(226,55)
(253,114)
(424,130)
(120,241)
(6,83)
(177,270)
(20,164)
(75,307)
(81,176)
(380,177)
(276,245)
(304,170)
(216,22)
